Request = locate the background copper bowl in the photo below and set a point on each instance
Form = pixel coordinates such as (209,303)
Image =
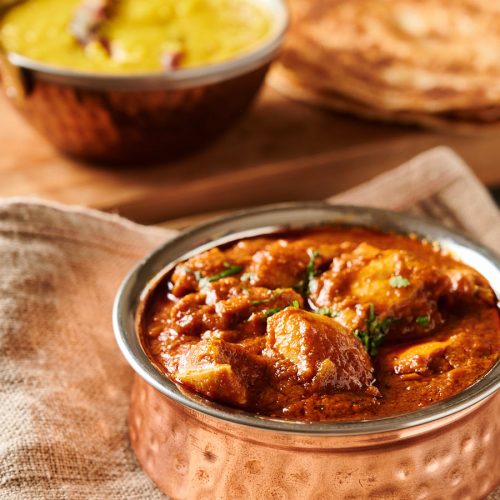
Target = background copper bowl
(193,448)
(136,119)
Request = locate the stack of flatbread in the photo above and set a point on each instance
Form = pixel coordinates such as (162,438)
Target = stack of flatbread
(430,62)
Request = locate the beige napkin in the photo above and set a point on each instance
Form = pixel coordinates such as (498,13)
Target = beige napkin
(436,184)
(63,383)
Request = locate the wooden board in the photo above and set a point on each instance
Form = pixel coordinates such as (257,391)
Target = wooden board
(280,151)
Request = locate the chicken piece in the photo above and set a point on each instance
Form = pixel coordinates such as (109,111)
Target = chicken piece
(244,250)
(258,298)
(284,264)
(408,295)
(222,371)
(218,382)
(280,264)
(227,335)
(220,308)
(401,289)
(221,289)
(467,286)
(192,316)
(325,377)
(425,358)
(321,349)
(187,276)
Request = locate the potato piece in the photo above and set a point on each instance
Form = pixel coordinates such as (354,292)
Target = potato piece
(307,340)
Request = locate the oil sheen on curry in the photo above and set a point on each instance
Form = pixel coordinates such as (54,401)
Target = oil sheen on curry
(329,324)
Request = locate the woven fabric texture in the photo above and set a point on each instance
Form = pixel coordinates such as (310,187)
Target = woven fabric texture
(64,386)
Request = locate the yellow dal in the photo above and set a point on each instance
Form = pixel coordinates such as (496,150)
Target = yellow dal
(140,31)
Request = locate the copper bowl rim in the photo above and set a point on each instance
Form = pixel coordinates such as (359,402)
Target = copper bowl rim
(243,63)
(137,287)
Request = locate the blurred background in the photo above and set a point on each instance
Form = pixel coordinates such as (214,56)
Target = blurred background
(282,148)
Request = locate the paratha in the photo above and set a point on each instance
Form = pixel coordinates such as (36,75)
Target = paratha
(397,58)
(473,121)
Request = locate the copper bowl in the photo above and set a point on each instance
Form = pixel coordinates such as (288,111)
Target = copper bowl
(138,119)
(193,448)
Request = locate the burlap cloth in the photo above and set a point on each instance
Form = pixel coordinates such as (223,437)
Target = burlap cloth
(64,384)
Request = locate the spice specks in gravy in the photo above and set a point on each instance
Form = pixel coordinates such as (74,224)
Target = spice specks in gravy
(335,323)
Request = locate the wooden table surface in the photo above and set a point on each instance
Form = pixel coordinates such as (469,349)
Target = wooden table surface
(280,151)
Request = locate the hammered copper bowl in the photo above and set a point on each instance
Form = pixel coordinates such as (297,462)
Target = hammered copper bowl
(193,448)
(138,119)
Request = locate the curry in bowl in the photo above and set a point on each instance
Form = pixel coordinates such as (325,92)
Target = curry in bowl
(129,36)
(334,323)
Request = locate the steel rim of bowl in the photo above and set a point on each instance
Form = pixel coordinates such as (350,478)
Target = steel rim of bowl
(140,280)
(256,57)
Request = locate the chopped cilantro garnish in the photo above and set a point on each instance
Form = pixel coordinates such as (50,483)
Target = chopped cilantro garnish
(374,333)
(423,321)
(327,312)
(270,312)
(399,282)
(371,314)
(365,338)
(311,272)
(264,301)
(229,271)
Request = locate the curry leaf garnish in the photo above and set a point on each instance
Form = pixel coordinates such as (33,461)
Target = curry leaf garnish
(311,272)
(229,271)
(423,321)
(374,333)
(399,282)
